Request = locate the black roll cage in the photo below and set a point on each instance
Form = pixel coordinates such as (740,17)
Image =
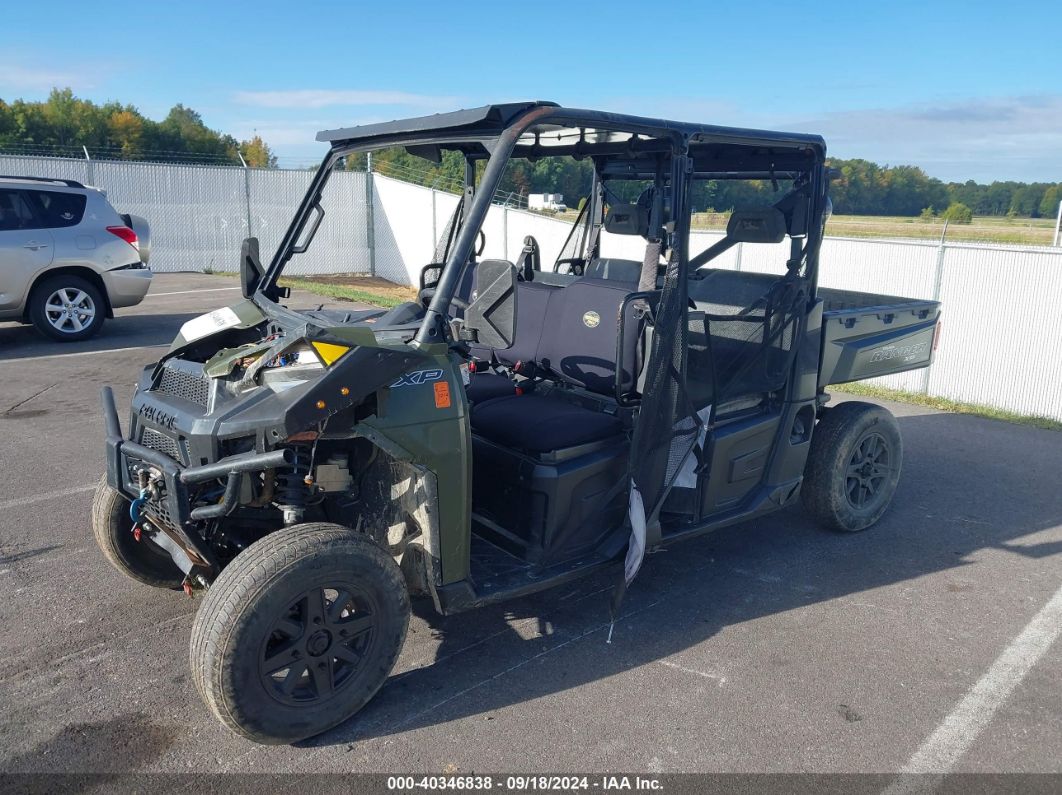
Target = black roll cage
(493,133)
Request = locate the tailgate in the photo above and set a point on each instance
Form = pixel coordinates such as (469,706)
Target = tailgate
(865,335)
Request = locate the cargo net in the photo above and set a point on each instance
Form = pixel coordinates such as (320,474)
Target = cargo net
(574,248)
(752,349)
(668,426)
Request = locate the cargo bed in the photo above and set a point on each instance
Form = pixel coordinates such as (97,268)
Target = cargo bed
(864,335)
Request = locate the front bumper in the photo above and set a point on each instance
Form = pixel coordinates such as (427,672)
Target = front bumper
(173,511)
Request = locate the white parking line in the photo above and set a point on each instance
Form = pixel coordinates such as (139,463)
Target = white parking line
(721,680)
(188,292)
(44,497)
(25,359)
(957,732)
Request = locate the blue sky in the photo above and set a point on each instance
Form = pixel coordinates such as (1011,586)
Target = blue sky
(964,89)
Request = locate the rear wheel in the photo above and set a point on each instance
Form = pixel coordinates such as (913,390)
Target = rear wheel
(299,632)
(67,308)
(143,560)
(853,466)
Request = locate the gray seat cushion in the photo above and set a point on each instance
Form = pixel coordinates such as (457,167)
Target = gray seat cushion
(487,386)
(537,424)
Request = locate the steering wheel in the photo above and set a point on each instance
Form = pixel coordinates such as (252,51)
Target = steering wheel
(571,265)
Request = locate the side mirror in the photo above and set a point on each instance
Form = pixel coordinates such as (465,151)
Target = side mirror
(492,314)
(250,268)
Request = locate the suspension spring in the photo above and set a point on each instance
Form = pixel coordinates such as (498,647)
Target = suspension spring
(292,488)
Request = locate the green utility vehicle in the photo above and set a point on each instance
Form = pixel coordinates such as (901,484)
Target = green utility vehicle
(522,424)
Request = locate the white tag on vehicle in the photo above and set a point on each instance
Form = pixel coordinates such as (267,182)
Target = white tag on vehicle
(209,323)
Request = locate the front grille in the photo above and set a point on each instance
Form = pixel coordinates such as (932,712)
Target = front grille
(158,512)
(186,386)
(154,440)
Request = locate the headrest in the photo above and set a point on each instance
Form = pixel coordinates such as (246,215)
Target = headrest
(627,219)
(762,225)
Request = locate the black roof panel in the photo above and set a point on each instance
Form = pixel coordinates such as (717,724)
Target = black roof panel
(490,120)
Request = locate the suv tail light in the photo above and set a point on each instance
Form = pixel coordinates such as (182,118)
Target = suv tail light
(126,234)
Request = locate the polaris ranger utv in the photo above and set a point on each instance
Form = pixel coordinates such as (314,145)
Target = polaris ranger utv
(518,426)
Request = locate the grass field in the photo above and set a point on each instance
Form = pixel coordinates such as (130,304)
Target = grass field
(944,404)
(350,287)
(984,229)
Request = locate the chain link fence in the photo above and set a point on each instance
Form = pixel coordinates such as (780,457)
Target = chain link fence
(200,214)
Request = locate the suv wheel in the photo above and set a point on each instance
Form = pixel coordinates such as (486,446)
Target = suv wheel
(67,308)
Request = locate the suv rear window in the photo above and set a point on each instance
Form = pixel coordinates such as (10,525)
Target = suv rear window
(58,209)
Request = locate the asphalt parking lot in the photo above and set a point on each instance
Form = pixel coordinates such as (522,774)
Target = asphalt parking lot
(771,646)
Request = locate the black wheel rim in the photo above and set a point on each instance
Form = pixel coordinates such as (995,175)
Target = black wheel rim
(867,475)
(316,647)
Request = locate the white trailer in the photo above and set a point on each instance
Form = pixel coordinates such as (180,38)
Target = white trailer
(553,202)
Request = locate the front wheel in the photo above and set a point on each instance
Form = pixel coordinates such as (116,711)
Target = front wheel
(141,560)
(853,466)
(299,632)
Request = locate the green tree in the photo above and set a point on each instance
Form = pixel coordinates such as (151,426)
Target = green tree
(257,154)
(63,123)
(1049,203)
(126,127)
(1026,200)
(958,213)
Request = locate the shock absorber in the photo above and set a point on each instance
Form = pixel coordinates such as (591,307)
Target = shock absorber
(293,487)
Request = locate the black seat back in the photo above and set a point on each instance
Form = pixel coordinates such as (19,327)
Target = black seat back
(532,301)
(579,342)
(573,332)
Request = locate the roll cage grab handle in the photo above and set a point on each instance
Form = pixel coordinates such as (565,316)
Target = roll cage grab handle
(434,328)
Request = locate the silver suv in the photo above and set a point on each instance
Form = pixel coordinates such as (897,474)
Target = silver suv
(67,258)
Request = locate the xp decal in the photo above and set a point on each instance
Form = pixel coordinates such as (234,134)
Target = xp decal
(418,377)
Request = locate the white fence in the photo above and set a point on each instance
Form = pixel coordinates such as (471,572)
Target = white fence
(1002,337)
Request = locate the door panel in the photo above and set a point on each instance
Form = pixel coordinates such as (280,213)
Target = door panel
(738,453)
(23,254)
(25,248)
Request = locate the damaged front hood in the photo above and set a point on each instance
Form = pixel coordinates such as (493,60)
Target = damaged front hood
(244,314)
(257,367)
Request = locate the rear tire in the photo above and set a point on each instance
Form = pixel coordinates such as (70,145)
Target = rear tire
(299,632)
(853,466)
(143,560)
(67,308)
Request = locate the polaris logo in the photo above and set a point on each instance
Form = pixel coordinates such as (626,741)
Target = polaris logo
(418,377)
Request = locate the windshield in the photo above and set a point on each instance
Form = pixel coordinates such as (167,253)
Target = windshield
(403,215)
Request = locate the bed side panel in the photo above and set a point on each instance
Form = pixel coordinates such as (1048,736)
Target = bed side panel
(871,341)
